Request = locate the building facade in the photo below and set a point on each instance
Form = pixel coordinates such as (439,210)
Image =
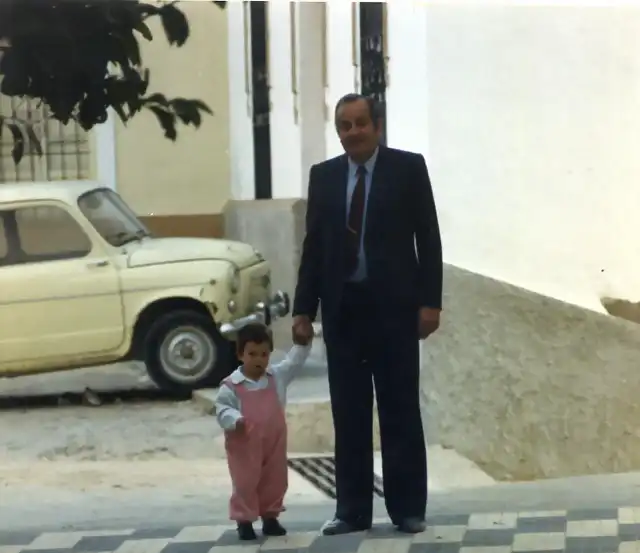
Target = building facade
(178,188)
(528,117)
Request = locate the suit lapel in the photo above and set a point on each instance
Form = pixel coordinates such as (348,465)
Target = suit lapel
(379,180)
(341,176)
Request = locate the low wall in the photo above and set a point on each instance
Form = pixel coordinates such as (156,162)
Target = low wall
(276,229)
(525,386)
(530,387)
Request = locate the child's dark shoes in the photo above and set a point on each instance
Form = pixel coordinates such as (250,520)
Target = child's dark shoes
(246,531)
(272,527)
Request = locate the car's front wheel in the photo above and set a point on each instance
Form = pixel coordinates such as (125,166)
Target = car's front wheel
(184,351)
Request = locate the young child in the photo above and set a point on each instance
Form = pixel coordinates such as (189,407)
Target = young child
(250,409)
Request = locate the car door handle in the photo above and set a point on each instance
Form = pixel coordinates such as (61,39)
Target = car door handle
(97,264)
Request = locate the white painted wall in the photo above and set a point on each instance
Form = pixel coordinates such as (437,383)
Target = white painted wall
(407,87)
(529,118)
(240,106)
(342,75)
(105,152)
(313,86)
(534,128)
(297,97)
(286,171)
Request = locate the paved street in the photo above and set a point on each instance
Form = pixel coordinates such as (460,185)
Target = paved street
(151,478)
(574,531)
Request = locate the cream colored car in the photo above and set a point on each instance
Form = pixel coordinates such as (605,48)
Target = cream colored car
(83,282)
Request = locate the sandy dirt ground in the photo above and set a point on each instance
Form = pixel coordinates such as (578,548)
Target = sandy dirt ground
(125,432)
(113,465)
(135,465)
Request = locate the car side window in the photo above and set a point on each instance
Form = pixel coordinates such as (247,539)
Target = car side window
(49,233)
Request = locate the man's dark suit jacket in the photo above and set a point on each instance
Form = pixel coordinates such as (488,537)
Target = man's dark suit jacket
(401,239)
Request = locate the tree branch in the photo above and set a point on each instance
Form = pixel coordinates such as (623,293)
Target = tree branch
(63,54)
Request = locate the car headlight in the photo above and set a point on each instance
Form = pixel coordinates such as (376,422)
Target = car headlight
(234,281)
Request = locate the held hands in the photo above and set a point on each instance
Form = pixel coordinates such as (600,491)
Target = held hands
(428,321)
(302,330)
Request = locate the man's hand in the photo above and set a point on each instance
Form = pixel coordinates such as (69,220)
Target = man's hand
(302,330)
(428,321)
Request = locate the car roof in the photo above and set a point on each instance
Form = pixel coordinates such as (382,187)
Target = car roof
(64,191)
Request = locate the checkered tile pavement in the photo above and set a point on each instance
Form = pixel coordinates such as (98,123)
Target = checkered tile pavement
(585,531)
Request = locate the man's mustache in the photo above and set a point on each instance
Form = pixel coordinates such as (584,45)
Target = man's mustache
(353,141)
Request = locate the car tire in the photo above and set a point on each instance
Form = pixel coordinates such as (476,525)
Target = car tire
(184,351)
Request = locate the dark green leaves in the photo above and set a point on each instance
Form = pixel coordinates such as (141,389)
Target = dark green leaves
(82,59)
(175,24)
(18,141)
(24,137)
(169,112)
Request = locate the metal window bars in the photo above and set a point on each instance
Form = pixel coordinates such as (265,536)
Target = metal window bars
(66,149)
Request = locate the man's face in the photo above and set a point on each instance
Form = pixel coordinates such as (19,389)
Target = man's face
(358,133)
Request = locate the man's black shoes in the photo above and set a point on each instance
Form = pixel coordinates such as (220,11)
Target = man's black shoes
(337,527)
(411,526)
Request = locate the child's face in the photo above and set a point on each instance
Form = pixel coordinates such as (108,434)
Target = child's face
(255,359)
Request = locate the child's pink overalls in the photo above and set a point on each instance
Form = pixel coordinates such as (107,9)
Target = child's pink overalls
(258,459)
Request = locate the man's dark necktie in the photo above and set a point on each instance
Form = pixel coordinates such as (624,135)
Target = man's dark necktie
(355,219)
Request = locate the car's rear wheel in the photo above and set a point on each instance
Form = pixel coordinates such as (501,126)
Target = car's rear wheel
(184,351)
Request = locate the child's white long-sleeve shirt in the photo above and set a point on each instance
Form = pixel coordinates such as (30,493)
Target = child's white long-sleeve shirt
(228,407)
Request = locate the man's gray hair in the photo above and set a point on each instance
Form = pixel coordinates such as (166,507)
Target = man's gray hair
(374,108)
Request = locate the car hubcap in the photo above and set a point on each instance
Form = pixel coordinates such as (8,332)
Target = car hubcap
(188,354)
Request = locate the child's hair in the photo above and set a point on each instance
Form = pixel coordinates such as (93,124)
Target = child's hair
(255,333)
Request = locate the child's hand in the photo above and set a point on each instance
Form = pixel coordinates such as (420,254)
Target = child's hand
(241,427)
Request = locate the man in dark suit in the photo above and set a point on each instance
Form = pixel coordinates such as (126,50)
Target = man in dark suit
(372,258)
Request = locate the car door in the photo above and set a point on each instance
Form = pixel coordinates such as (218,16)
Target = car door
(60,296)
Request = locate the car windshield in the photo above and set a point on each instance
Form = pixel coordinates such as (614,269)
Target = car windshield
(112,217)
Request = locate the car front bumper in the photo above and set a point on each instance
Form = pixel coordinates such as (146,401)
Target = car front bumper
(265,312)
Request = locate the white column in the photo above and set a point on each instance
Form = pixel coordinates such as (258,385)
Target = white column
(105,141)
(407,89)
(312,79)
(240,107)
(286,173)
(342,35)
(297,94)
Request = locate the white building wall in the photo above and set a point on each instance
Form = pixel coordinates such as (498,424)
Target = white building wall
(407,87)
(105,144)
(286,172)
(534,129)
(297,95)
(240,105)
(313,86)
(529,118)
(342,74)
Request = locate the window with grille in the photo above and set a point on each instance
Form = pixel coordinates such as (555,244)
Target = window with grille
(66,149)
